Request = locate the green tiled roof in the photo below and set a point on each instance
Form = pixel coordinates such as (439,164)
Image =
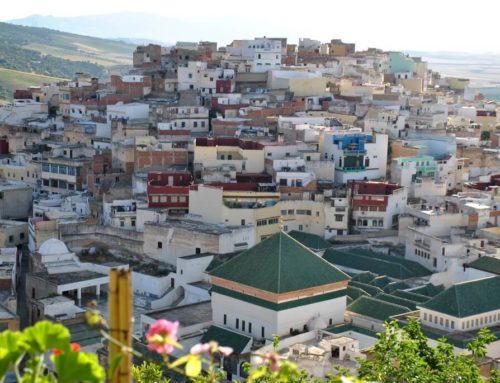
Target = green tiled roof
(280,306)
(381,281)
(375,308)
(345,327)
(355,292)
(393,267)
(400,285)
(364,277)
(397,300)
(467,298)
(372,290)
(227,338)
(312,241)
(279,264)
(418,298)
(428,290)
(489,264)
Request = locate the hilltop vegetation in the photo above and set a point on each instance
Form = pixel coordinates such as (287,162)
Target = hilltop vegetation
(52,53)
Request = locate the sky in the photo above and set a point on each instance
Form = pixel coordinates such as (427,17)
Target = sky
(424,25)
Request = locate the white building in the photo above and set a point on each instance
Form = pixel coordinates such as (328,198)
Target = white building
(357,155)
(132,111)
(276,287)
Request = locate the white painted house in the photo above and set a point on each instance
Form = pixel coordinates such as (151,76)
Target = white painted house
(276,287)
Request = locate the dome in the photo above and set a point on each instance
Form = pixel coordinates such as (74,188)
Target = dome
(53,246)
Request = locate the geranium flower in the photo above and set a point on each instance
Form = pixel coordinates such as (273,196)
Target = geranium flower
(210,347)
(162,336)
(75,347)
(273,360)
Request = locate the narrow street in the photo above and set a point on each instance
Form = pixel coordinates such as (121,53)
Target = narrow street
(22,306)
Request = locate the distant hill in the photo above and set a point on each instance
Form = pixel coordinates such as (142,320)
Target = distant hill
(47,52)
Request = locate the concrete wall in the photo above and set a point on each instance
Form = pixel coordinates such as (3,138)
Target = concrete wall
(79,234)
(273,322)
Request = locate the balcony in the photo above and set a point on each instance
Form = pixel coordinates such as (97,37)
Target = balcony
(352,169)
(354,152)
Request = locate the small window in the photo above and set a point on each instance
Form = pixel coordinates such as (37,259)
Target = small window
(11,238)
(132,222)
(243,325)
(160,245)
(225,319)
(237,323)
(262,329)
(21,236)
(198,250)
(250,327)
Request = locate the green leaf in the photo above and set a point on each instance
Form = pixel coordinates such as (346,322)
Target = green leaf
(78,367)
(193,367)
(10,349)
(113,365)
(45,336)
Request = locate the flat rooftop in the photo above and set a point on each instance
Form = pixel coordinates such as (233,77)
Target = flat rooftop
(187,315)
(6,313)
(207,228)
(71,277)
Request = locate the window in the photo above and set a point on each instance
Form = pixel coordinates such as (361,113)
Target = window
(155,198)
(242,222)
(160,245)
(21,236)
(195,124)
(250,327)
(237,323)
(301,227)
(339,217)
(122,223)
(283,212)
(203,124)
(190,75)
(132,222)
(225,319)
(173,199)
(182,199)
(425,316)
(242,325)
(291,211)
(11,238)
(262,329)
(441,321)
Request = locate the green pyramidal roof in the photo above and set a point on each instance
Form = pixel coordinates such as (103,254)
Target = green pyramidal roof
(279,264)
(467,298)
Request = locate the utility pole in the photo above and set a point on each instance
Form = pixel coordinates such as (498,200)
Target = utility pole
(120,323)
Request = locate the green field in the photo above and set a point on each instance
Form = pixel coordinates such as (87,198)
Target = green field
(11,80)
(37,55)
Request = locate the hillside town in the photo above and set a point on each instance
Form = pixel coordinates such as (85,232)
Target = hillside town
(265,188)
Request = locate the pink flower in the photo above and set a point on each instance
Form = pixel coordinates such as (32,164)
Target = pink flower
(273,360)
(211,347)
(200,348)
(162,335)
(225,351)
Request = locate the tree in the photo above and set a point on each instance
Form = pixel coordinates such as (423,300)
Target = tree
(404,355)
